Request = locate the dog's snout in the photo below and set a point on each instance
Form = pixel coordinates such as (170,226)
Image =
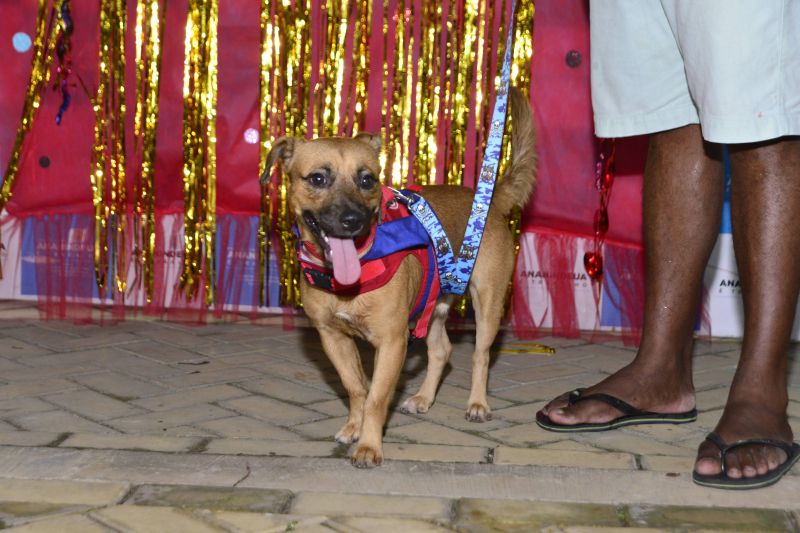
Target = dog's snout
(352,220)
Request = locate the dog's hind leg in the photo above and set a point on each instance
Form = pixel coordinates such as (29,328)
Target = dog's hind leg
(389,358)
(488,304)
(439,350)
(343,353)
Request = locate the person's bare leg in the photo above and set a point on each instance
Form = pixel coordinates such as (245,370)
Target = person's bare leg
(765,207)
(683,193)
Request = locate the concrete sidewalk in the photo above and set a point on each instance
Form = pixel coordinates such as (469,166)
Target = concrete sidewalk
(156,426)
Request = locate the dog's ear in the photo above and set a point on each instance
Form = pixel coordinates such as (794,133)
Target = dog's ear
(371,139)
(283,150)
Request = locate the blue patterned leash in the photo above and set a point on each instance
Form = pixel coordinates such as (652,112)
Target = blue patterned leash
(454,273)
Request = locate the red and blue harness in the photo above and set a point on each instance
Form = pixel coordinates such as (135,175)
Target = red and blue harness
(397,235)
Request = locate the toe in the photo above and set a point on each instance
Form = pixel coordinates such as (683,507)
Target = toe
(708,461)
(558,403)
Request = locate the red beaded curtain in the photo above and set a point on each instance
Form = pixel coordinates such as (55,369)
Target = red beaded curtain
(52,198)
(562,213)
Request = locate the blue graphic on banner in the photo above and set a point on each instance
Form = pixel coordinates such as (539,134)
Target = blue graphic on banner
(610,314)
(64,240)
(235,272)
(725,226)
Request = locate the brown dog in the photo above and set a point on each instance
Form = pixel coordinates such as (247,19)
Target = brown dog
(335,194)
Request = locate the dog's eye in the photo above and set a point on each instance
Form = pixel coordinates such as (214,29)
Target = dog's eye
(318,180)
(366,180)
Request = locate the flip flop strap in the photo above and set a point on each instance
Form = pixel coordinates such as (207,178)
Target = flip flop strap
(624,407)
(725,448)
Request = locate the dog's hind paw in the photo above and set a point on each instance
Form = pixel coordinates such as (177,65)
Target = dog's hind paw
(366,457)
(478,413)
(415,404)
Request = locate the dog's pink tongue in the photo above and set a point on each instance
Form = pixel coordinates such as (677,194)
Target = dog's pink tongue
(343,255)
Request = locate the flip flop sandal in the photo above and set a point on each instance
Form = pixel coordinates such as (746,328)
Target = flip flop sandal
(722,481)
(631,415)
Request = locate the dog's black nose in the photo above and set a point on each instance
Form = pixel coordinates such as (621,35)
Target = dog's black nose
(351,220)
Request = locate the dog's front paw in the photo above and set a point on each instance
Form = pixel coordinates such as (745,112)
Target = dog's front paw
(416,404)
(348,434)
(366,456)
(477,412)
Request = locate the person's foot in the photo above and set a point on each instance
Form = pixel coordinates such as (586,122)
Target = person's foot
(746,417)
(656,392)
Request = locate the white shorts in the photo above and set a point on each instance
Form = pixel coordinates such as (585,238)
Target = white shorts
(733,66)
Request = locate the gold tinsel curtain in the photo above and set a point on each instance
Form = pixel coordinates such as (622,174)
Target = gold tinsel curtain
(422,74)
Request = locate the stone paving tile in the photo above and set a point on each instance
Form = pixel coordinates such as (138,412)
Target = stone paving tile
(712,398)
(337,407)
(27,438)
(463,379)
(222,349)
(286,390)
(119,385)
(240,427)
(302,373)
(708,419)
(61,492)
(704,518)
(212,498)
(70,523)
(321,429)
(454,417)
(267,523)
(160,420)
(478,515)
(287,448)
(22,406)
(429,433)
(710,379)
(712,362)
(164,353)
(39,336)
(667,463)
(155,443)
(139,367)
(61,421)
(336,504)
(668,432)
(93,405)
(205,394)
(7,365)
(523,435)
(435,453)
(187,431)
(363,524)
(177,335)
(271,410)
(458,396)
(545,391)
(518,413)
(15,348)
(537,456)
(104,337)
(208,376)
(155,519)
(54,372)
(570,446)
(625,442)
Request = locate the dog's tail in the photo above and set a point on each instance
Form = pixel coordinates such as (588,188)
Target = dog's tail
(517,184)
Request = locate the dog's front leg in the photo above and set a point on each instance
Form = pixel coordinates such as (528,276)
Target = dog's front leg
(389,358)
(343,353)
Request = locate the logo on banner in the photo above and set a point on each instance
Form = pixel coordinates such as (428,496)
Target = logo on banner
(540,277)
